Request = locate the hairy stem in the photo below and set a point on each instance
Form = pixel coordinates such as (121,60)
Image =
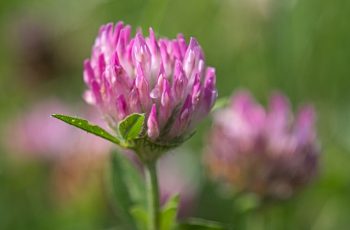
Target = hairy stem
(152,196)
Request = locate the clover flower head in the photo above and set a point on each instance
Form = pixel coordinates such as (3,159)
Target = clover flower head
(266,152)
(167,80)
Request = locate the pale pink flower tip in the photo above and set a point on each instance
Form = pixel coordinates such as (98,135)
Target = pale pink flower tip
(264,151)
(152,123)
(157,77)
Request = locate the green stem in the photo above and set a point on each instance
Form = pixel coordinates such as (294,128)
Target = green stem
(152,196)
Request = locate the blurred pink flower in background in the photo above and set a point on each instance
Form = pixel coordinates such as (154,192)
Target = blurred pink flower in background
(74,156)
(267,152)
(165,79)
(36,134)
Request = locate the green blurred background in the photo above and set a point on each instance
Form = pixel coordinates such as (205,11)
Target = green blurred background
(301,47)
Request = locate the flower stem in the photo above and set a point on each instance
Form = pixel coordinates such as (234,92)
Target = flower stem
(152,196)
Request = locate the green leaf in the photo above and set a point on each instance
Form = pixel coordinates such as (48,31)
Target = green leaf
(200,224)
(132,126)
(220,103)
(90,128)
(168,213)
(140,216)
(128,187)
(247,202)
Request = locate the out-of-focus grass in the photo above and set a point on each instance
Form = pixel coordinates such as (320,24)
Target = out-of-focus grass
(298,46)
